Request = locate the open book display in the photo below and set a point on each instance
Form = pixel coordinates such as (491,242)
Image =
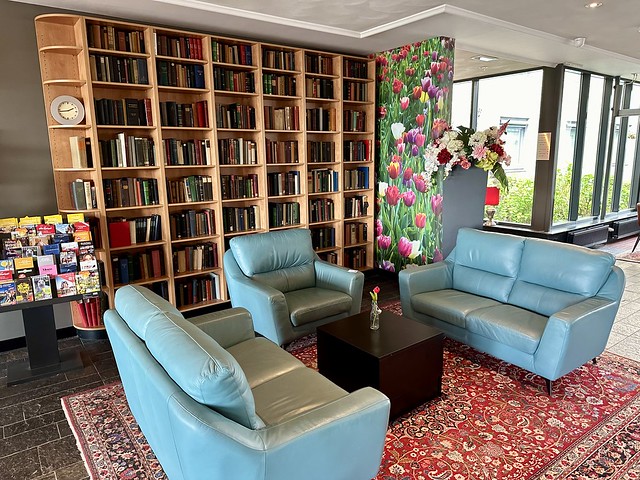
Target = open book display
(46,258)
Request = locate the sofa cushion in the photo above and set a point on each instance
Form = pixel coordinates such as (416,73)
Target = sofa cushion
(284,260)
(262,360)
(486,264)
(450,306)
(202,368)
(554,275)
(293,394)
(509,325)
(311,304)
(139,306)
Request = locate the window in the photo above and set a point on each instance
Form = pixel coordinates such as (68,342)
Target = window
(514,140)
(461,104)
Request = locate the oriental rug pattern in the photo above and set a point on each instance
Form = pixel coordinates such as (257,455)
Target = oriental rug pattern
(493,421)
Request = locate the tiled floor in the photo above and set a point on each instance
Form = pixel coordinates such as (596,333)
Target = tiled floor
(37,443)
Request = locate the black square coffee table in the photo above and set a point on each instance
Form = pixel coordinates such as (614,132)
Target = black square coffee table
(402,359)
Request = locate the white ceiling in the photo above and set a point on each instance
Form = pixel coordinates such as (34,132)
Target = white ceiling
(521,33)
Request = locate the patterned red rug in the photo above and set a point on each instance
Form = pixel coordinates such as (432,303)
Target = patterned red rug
(493,421)
(630,257)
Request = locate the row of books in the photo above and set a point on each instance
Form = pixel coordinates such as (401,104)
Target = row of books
(317,63)
(193,258)
(132,267)
(81,156)
(354,121)
(279,59)
(83,194)
(241,219)
(281,151)
(331,257)
(283,183)
(187,152)
(356,179)
(131,231)
(194,188)
(178,46)
(127,151)
(130,192)
(324,237)
(284,118)
(239,54)
(173,74)
(235,115)
(124,111)
(354,91)
(192,223)
(321,152)
(355,258)
(321,210)
(233,81)
(197,290)
(284,214)
(108,68)
(174,114)
(90,311)
(321,119)
(355,68)
(239,186)
(108,37)
(355,206)
(237,151)
(319,87)
(273,84)
(357,151)
(322,180)
(355,233)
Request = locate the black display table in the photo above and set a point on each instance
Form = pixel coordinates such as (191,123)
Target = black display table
(42,343)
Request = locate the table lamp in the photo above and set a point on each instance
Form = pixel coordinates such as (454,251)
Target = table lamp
(491,199)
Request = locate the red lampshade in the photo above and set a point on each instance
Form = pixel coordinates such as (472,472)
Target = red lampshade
(492,196)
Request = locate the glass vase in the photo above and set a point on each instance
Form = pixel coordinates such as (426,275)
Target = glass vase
(374,316)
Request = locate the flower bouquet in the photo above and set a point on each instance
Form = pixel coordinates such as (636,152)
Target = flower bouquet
(466,147)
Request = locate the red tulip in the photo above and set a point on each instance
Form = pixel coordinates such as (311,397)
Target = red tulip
(382,111)
(392,194)
(397,85)
(420,120)
(421,220)
(394,170)
(417,92)
(404,103)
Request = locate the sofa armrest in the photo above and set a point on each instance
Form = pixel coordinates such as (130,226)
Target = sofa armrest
(332,441)
(425,278)
(227,327)
(574,336)
(334,277)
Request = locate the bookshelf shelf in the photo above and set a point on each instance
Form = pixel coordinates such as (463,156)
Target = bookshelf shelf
(145,281)
(287,80)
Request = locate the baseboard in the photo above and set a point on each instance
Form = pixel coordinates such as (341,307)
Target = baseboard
(19,342)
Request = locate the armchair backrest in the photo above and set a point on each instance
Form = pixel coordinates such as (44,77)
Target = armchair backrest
(284,260)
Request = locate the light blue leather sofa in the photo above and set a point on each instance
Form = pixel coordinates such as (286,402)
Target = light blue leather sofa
(215,402)
(288,290)
(545,306)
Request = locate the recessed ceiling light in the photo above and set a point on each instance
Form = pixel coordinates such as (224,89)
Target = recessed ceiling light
(593,5)
(484,58)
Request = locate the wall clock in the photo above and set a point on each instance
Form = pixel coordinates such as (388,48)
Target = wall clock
(67,110)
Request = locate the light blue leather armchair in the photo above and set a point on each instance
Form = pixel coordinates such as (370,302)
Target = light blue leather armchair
(216,402)
(288,290)
(545,306)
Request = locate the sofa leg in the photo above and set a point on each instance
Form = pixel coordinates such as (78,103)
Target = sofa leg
(594,360)
(548,386)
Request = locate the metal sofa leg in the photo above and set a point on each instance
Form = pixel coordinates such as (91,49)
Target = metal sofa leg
(594,360)
(549,389)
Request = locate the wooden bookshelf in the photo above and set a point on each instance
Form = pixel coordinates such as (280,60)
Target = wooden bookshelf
(252,122)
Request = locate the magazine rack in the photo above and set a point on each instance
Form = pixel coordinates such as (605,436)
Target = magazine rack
(44,358)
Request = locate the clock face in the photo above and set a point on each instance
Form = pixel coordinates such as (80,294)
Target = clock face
(67,110)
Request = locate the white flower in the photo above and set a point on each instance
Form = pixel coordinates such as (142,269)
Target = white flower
(397,129)
(448,136)
(478,138)
(415,249)
(382,188)
(455,146)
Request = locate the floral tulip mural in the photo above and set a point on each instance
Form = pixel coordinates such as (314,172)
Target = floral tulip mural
(414,94)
